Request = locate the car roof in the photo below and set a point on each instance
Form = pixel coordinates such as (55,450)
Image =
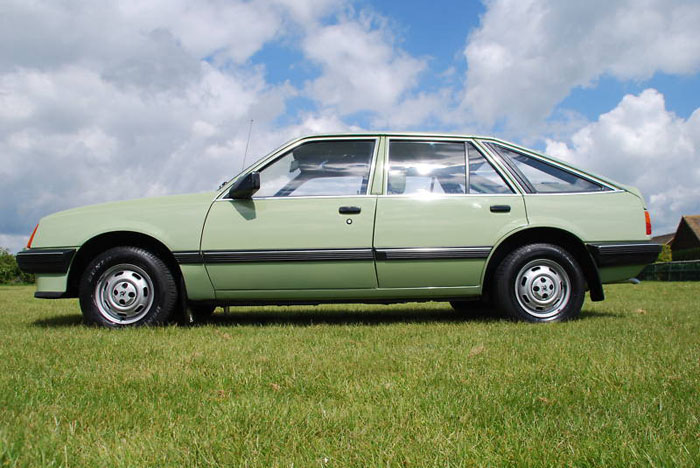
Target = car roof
(399,134)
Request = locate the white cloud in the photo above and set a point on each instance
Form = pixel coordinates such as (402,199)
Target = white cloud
(641,143)
(361,67)
(527,55)
(108,101)
(14,243)
(113,101)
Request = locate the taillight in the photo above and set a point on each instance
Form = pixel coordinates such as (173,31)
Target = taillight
(647,218)
(31,238)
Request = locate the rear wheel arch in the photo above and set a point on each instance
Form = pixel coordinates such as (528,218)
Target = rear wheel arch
(564,239)
(106,241)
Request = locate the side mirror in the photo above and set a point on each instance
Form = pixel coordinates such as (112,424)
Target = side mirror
(245,187)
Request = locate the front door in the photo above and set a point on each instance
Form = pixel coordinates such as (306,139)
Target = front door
(443,209)
(308,227)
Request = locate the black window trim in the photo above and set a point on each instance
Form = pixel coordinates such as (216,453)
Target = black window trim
(525,183)
(495,167)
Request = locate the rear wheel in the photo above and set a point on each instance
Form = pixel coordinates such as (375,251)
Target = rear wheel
(539,283)
(127,286)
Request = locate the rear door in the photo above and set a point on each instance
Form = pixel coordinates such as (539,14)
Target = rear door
(444,207)
(308,227)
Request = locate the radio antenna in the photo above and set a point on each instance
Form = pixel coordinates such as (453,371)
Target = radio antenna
(245,154)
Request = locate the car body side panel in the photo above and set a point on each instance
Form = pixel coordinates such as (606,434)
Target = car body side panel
(436,221)
(51,282)
(175,221)
(619,273)
(268,226)
(197,282)
(345,295)
(592,217)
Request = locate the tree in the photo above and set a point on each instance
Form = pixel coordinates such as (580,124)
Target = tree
(665,254)
(9,271)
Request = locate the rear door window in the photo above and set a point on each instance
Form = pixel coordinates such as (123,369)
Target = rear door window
(426,167)
(440,167)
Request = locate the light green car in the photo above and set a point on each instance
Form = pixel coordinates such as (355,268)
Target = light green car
(354,218)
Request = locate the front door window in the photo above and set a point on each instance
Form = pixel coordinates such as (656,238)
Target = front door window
(319,168)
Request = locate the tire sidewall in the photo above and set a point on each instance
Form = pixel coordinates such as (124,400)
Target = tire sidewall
(514,262)
(164,286)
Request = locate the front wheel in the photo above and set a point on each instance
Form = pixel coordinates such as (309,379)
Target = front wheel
(127,286)
(539,283)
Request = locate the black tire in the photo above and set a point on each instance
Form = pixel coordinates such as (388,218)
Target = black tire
(128,286)
(539,283)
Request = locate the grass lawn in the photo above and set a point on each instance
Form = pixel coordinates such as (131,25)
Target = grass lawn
(355,385)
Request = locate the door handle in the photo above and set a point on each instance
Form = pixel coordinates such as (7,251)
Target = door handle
(500,208)
(349,210)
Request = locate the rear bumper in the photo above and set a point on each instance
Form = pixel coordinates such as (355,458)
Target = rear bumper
(45,261)
(624,253)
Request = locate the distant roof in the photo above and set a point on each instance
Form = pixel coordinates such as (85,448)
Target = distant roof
(688,233)
(694,224)
(663,238)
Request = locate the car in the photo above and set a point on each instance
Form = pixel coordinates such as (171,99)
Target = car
(362,217)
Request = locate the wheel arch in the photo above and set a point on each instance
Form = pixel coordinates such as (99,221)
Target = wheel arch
(564,239)
(107,240)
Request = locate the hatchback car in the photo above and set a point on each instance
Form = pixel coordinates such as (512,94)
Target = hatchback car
(354,218)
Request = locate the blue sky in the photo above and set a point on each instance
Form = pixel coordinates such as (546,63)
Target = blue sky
(105,101)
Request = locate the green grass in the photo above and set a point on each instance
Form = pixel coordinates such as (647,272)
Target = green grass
(365,386)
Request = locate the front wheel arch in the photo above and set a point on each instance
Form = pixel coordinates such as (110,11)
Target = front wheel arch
(103,242)
(128,286)
(558,237)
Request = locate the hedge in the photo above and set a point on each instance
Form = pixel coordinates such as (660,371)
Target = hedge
(10,272)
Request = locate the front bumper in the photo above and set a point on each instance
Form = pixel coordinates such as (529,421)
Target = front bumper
(624,253)
(45,261)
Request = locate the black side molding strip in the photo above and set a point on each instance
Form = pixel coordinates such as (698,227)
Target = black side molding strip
(189,257)
(439,253)
(247,256)
(319,255)
(45,260)
(624,253)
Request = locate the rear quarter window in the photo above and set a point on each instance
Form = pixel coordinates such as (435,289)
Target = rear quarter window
(542,176)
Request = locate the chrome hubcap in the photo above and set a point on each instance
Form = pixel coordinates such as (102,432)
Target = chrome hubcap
(124,294)
(542,288)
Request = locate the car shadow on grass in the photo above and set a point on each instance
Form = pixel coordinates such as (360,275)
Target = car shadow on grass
(59,321)
(308,316)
